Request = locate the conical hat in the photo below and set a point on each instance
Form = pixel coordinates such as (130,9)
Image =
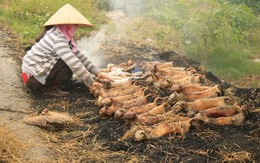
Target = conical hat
(68,15)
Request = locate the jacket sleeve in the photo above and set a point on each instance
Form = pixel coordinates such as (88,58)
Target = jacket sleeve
(87,63)
(62,49)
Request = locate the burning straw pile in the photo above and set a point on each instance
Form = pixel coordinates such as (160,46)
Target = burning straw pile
(159,98)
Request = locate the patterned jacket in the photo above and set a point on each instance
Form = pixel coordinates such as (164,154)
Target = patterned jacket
(54,46)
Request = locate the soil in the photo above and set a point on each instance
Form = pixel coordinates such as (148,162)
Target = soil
(97,139)
(15,103)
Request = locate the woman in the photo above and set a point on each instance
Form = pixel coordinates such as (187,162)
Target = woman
(55,57)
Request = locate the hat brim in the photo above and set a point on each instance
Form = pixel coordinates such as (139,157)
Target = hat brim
(68,15)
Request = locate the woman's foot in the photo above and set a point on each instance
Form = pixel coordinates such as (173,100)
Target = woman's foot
(55,93)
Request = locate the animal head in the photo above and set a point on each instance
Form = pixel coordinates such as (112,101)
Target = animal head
(45,112)
(140,135)
(176,88)
(106,101)
(159,100)
(119,113)
(173,97)
(166,83)
(130,115)
(151,97)
(95,90)
(221,90)
(103,111)
(179,106)
(191,71)
(150,79)
(146,91)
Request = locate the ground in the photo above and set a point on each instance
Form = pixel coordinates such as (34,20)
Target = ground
(14,103)
(97,139)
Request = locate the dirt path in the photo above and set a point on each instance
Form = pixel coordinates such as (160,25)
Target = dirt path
(13,98)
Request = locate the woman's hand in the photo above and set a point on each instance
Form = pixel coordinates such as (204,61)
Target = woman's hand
(96,84)
(102,75)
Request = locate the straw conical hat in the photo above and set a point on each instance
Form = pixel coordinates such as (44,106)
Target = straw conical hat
(68,15)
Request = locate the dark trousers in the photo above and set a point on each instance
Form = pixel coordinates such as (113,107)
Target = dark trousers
(60,74)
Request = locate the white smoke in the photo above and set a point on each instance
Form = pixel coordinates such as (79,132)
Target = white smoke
(119,9)
(91,45)
(130,7)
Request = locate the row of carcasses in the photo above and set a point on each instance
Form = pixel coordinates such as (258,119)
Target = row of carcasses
(188,96)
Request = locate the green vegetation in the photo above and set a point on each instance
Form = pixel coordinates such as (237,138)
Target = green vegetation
(252,4)
(223,35)
(27,16)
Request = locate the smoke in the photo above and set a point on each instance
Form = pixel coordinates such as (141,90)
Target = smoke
(119,9)
(130,7)
(90,46)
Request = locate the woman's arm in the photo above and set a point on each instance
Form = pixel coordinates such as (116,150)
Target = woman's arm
(63,50)
(87,63)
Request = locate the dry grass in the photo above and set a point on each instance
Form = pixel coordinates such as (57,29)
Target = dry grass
(11,150)
(79,147)
(237,157)
(50,119)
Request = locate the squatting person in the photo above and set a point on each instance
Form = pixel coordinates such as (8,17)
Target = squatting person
(54,57)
